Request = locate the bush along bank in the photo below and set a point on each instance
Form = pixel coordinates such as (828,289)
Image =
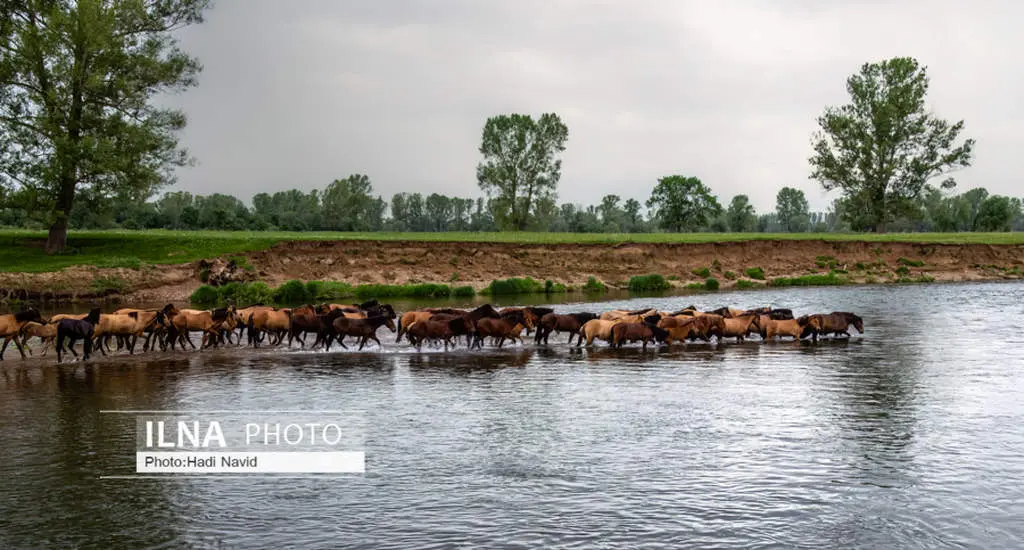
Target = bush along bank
(296,292)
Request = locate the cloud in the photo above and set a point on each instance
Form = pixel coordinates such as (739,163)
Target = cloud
(295,96)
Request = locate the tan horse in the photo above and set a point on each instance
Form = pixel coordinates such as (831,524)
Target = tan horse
(205,321)
(597,328)
(679,328)
(791,327)
(11,325)
(47,334)
(276,322)
(619,313)
(738,326)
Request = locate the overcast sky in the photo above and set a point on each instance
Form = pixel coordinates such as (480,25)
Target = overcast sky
(296,94)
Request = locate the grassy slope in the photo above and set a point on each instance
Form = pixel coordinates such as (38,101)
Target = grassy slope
(21,251)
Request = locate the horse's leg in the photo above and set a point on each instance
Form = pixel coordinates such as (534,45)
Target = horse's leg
(362,342)
(501,341)
(17,344)
(7,341)
(71,345)
(87,348)
(376,340)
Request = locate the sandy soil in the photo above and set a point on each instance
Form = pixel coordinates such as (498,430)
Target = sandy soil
(476,264)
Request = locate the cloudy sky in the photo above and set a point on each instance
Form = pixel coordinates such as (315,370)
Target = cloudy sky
(296,94)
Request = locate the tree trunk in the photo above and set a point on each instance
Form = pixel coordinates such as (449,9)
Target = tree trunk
(57,240)
(880,227)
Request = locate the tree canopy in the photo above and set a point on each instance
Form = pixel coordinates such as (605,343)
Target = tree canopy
(883,147)
(520,169)
(682,203)
(76,80)
(792,209)
(740,215)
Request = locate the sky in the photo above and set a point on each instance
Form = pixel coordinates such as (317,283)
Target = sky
(297,94)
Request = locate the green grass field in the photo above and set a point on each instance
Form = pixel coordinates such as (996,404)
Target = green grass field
(22,250)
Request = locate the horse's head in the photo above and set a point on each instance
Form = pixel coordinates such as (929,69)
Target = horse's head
(660,334)
(160,318)
(652,319)
(389,311)
(390,323)
(856,321)
(94,316)
(30,314)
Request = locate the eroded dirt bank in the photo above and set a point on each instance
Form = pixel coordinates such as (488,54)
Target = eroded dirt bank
(476,264)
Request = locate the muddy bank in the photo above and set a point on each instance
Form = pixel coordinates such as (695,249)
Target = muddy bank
(477,264)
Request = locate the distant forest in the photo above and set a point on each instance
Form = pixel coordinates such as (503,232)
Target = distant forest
(350,205)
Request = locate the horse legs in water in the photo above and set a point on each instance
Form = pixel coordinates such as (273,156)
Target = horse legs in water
(17,344)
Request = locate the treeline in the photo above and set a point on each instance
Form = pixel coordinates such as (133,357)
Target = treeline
(677,205)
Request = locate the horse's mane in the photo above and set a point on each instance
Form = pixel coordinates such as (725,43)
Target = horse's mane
(723,311)
(639,311)
(584,316)
(486,310)
(652,319)
(369,304)
(849,316)
(514,316)
(541,311)
(27,315)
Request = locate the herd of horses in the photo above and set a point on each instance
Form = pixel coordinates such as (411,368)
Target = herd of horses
(327,324)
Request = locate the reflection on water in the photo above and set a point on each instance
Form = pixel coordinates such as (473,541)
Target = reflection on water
(906,437)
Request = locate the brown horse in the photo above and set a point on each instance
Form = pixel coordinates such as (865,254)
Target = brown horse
(11,325)
(837,323)
(47,334)
(679,328)
(435,329)
(362,329)
(637,332)
(553,322)
(501,329)
(739,326)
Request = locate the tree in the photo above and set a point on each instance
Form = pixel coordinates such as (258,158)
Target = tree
(76,80)
(882,148)
(631,213)
(740,215)
(996,213)
(439,212)
(348,206)
(792,209)
(611,214)
(683,204)
(520,169)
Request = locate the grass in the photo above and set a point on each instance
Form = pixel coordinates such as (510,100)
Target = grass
(514,285)
(911,263)
(744,284)
(296,292)
(702,272)
(648,283)
(754,273)
(22,250)
(710,284)
(818,279)
(593,285)
(729,275)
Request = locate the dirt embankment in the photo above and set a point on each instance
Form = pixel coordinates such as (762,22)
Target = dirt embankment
(476,264)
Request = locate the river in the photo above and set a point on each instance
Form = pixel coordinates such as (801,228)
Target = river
(907,436)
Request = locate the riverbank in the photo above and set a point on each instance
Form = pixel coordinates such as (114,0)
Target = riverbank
(168,266)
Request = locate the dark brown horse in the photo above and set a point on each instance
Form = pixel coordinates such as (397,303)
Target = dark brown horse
(500,329)
(837,323)
(438,328)
(553,322)
(362,329)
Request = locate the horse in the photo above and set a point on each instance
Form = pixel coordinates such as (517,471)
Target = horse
(187,320)
(128,326)
(596,328)
(434,329)
(501,329)
(155,332)
(796,328)
(679,328)
(739,326)
(11,325)
(47,334)
(301,321)
(274,321)
(553,322)
(363,329)
(705,326)
(73,329)
(619,313)
(633,332)
(837,323)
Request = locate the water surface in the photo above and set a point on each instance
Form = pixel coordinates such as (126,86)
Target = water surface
(907,436)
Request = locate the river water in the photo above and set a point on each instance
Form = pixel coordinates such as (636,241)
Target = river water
(909,436)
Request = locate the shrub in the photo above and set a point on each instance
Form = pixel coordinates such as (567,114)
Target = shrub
(292,293)
(553,287)
(593,285)
(109,285)
(922,278)
(205,295)
(755,273)
(811,280)
(695,286)
(322,291)
(729,275)
(716,265)
(702,272)
(513,285)
(903,270)
(646,283)
(423,290)
(463,292)
(911,263)
(711,283)
(744,284)
(860,266)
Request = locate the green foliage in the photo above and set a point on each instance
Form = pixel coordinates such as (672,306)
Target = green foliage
(922,278)
(740,215)
(553,287)
(903,270)
(593,285)
(245,294)
(755,273)
(454,277)
(729,275)
(463,292)
(293,292)
(830,278)
(911,263)
(711,283)
(205,295)
(792,210)
(501,287)
(860,266)
(683,204)
(325,291)
(348,205)
(129,262)
(882,148)
(204,274)
(702,272)
(744,284)
(520,167)
(78,80)
(673,277)
(648,283)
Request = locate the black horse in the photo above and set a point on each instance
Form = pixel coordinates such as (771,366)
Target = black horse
(73,329)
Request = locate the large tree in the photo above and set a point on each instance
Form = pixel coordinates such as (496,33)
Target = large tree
(349,206)
(683,204)
(520,169)
(792,208)
(884,146)
(740,215)
(76,82)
